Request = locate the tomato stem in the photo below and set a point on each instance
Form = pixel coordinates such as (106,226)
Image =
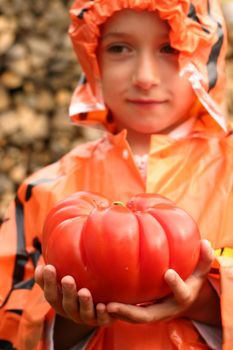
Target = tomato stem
(118,203)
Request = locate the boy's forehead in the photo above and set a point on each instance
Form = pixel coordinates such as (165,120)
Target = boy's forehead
(128,20)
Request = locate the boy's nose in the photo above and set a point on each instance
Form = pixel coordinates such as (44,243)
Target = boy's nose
(146,73)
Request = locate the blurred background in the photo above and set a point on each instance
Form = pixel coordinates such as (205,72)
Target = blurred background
(38,73)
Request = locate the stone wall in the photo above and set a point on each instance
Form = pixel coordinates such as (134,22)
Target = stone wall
(38,73)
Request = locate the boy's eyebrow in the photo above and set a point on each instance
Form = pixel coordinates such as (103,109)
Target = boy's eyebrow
(116,35)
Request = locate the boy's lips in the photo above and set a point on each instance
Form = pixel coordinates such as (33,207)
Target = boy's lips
(146,103)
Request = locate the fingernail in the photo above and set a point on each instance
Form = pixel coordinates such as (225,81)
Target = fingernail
(67,287)
(84,299)
(208,243)
(170,274)
(101,311)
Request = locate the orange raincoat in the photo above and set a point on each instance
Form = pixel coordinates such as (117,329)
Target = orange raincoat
(195,171)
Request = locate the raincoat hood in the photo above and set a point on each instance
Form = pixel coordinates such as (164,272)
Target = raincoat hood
(197,31)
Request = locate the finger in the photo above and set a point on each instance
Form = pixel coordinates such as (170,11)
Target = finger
(70,298)
(51,292)
(130,313)
(179,287)
(103,317)
(39,279)
(205,260)
(198,277)
(164,310)
(86,306)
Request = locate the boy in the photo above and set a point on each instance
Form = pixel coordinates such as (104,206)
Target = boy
(144,80)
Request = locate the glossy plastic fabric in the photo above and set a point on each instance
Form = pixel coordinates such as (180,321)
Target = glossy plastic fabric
(197,31)
(106,166)
(198,166)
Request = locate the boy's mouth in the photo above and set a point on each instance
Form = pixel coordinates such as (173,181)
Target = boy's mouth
(146,102)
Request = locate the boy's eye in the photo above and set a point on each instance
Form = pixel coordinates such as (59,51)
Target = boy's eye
(118,48)
(168,49)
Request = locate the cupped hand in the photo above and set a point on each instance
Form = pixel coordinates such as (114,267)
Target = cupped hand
(184,294)
(76,305)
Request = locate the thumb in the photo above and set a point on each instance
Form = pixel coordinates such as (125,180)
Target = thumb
(39,279)
(205,260)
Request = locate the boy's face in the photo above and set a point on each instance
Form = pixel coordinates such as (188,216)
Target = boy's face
(140,73)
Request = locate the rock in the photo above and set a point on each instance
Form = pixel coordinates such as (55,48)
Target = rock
(5,100)
(7,33)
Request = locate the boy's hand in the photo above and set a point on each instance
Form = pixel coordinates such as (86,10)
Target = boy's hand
(79,307)
(185,295)
(68,302)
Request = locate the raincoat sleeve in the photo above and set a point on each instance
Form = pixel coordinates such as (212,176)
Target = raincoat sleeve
(225,262)
(220,277)
(212,335)
(26,319)
(24,313)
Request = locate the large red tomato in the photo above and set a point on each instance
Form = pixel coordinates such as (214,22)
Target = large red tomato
(120,252)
